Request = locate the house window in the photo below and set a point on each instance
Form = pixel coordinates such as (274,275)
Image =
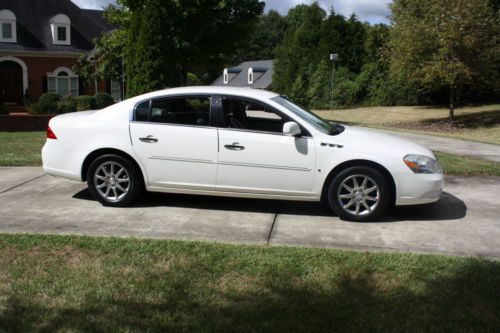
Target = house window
(7,26)
(60,26)
(250,75)
(225,76)
(63,81)
(61,34)
(116,90)
(6,30)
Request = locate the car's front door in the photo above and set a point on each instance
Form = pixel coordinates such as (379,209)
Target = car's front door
(174,141)
(255,156)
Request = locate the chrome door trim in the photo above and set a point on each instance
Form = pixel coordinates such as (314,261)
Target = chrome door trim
(180,159)
(265,166)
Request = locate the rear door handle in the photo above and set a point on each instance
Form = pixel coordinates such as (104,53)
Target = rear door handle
(149,139)
(234,146)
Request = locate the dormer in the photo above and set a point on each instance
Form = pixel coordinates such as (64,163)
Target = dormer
(60,26)
(8,31)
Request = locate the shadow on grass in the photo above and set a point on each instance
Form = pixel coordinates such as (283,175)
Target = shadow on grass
(463,299)
(486,119)
(449,207)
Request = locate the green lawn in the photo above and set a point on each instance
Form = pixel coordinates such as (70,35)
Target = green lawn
(454,165)
(480,123)
(77,284)
(21,148)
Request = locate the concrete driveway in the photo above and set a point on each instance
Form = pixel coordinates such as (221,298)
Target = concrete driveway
(466,221)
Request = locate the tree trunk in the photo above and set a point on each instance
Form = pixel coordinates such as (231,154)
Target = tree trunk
(184,75)
(452,102)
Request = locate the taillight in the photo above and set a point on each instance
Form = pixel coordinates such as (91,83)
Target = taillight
(50,134)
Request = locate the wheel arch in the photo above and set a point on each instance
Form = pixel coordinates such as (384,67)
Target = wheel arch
(103,151)
(361,162)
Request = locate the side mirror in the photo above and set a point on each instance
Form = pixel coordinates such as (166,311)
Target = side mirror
(291,128)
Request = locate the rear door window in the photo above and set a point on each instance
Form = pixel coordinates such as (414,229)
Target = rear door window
(192,111)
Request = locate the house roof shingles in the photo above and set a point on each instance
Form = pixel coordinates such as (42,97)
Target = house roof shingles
(33,25)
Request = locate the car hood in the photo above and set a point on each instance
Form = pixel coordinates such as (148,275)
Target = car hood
(370,140)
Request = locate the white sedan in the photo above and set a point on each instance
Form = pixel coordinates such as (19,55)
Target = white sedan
(237,142)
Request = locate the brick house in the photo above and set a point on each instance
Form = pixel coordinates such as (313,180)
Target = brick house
(40,42)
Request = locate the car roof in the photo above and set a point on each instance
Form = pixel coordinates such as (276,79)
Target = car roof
(202,90)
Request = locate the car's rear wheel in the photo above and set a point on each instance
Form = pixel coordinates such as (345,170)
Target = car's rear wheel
(114,180)
(359,194)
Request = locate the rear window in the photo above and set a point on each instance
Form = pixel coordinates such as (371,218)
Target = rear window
(193,111)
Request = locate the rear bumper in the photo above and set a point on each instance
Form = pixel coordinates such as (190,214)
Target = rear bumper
(417,189)
(60,161)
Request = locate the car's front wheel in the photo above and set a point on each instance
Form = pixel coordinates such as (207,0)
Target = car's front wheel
(359,194)
(114,180)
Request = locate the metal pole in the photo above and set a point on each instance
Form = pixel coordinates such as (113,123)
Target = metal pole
(333,58)
(331,98)
(122,90)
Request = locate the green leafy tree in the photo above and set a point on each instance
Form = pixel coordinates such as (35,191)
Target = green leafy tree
(265,37)
(106,61)
(297,56)
(167,40)
(446,43)
(302,68)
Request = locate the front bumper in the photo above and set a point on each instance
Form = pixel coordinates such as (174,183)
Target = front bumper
(417,189)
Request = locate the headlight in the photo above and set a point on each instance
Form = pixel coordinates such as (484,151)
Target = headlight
(422,164)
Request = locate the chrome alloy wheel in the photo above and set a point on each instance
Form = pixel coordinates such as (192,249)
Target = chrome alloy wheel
(358,195)
(111,181)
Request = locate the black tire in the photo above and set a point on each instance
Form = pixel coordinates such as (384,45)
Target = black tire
(123,187)
(353,205)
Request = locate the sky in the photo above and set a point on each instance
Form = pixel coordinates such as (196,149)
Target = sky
(373,11)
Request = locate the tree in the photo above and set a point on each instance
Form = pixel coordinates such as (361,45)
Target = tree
(106,61)
(166,40)
(446,43)
(298,55)
(265,37)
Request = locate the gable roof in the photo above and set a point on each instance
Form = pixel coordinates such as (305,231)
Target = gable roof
(238,76)
(33,25)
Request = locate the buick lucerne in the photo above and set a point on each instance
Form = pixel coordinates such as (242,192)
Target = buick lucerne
(237,142)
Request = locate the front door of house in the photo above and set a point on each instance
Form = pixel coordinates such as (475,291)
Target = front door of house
(11,83)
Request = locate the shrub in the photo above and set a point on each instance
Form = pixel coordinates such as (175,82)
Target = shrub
(84,103)
(49,103)
(3,110)
(103,100)
(34,108)
(68,104)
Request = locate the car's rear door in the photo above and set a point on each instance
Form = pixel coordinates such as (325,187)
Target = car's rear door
(174,140)
(256,157)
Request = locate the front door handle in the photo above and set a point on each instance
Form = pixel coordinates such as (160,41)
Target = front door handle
(149,139)
(234,146)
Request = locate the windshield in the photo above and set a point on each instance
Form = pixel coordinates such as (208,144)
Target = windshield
(319,123)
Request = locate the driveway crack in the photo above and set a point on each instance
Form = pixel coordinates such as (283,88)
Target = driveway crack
(272,226)
(21,184)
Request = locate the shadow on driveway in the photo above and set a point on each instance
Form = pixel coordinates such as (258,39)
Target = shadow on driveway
(449,207)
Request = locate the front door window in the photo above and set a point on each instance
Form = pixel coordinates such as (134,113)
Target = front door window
(256,157)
